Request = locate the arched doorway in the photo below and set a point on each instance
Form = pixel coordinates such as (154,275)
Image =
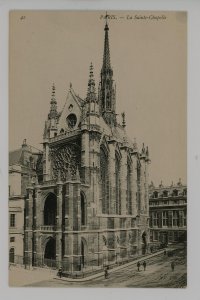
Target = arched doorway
(83,210)
(50,252)
(12,255)
(144,242)
(50,210)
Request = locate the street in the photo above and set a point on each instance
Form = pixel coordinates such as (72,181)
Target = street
(158,274)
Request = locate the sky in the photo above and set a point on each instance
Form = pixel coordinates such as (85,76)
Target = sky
(148,56)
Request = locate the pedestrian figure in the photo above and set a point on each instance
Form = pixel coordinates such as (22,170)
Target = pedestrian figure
(60,272)
(138,266)
(144,265)
(106,273)
(172,266)
(165,252)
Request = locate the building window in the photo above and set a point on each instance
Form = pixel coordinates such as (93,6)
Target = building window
(155,194)
(175,193)
(175,218)
(184,218)
(12,255)
(12,220)
(170,236)
(129,204)
(151,236)
(155,235)
(71,121)
(175,236)
(151,220)
(12,239)
(50,210)
(165,218)
(104,181)
(83,210)
(155,219)
(117,184)
(165,193)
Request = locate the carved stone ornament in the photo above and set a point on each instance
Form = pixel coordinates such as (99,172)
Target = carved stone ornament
(65,160)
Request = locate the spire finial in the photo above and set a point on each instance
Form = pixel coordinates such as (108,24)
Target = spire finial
(147,151)
(106,17)
(143,148)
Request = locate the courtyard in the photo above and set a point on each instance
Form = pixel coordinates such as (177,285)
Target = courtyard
(158,274)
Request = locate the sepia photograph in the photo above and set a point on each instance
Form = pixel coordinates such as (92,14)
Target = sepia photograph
(97,149)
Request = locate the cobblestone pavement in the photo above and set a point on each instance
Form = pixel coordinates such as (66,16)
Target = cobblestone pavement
(18,276)
(158,274)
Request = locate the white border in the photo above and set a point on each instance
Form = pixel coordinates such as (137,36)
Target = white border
(193,290)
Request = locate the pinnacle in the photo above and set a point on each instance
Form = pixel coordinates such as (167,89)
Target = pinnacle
(91,92)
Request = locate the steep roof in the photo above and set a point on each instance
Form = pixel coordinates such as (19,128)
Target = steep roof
(15,157)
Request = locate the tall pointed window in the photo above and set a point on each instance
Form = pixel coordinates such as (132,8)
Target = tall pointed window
(83,210)
(104,180)
(117,184)
(129,203)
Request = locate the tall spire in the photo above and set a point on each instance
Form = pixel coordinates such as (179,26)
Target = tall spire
(106,55)
(106,86)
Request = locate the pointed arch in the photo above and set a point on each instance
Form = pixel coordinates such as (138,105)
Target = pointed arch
(117,183)
(84,251)
(50,208)
(83,209)
(129,196)
(104,187)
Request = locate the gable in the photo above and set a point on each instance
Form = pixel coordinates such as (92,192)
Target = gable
(70,116)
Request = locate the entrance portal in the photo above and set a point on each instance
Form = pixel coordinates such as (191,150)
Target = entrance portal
(50,253)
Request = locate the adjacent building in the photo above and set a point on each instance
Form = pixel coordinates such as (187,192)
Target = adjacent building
(168,213)
(22,167)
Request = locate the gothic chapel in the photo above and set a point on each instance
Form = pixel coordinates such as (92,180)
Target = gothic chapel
(88,204)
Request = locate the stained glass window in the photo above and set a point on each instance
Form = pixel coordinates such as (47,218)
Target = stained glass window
(104,181)
(117,184)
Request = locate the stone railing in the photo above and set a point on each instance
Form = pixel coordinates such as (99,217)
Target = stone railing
(65,135)
(47,228)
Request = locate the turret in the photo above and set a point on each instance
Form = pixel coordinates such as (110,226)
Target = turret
(50,129)
(91,99)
